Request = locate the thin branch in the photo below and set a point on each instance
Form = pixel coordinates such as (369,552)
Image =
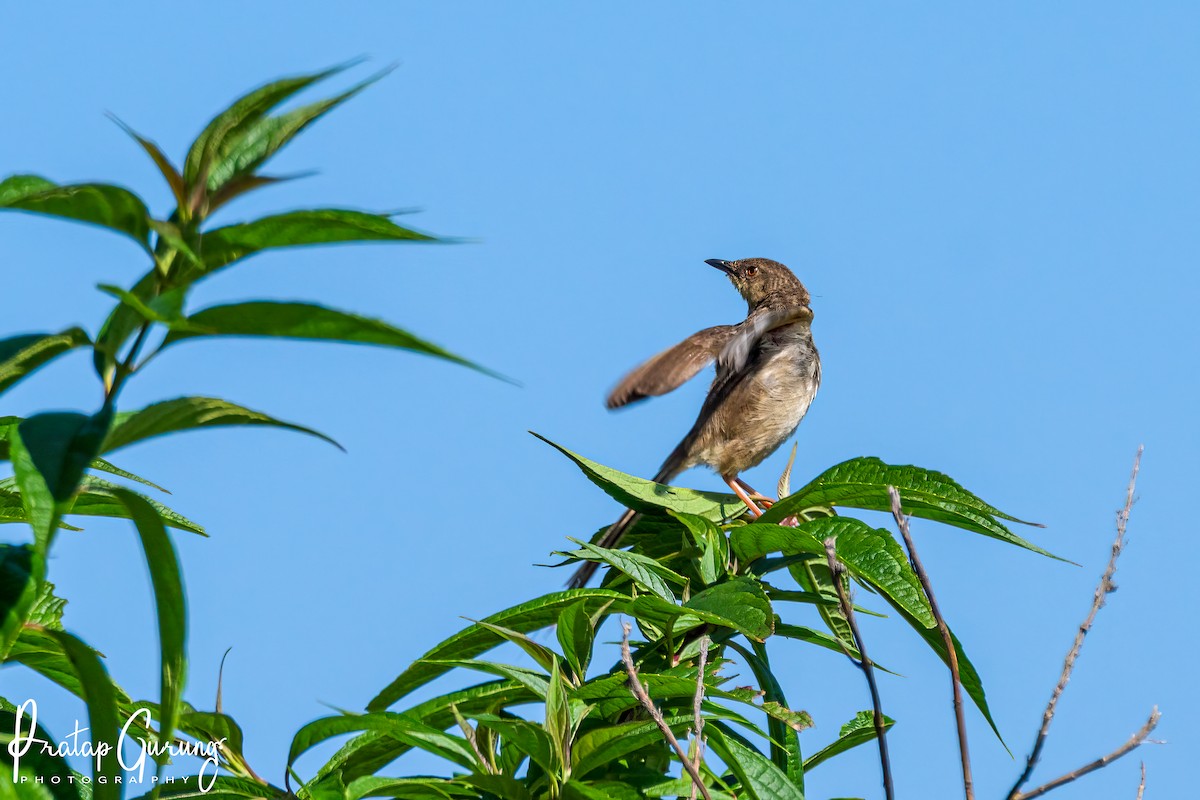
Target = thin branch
(697,707)
(864,663)
(948,640)
(1103,588)
(1134,742)
(1142,783)
(639,691)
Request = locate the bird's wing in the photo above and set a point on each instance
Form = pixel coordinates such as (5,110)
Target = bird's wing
(669,369)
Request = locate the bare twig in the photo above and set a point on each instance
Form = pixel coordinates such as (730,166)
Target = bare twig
(1142,783)
(948,640)
(1103,588)
(1134,742)
(697,709)
(864,663)
(639,691)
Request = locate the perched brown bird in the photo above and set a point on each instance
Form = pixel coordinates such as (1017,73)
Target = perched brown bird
(768,371)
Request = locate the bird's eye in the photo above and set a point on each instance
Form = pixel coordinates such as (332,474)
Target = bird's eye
(751,272)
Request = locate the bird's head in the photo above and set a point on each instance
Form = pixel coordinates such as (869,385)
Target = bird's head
(762,281)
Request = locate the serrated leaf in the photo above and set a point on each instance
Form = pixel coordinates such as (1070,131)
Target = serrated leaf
(870,554)
(96,499)
(862,483)
(94,203)
(190,413)
(859,730)
(742,602)
(645,572)
(308,322)
(22,355)
(650,497)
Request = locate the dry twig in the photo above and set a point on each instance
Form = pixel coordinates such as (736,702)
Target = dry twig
(697,709)
(864,663)
(947,640)
(1103,588)
(1134,742)
(1142,783)
(639,691)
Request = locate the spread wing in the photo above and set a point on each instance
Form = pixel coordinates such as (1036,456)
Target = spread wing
(669,369)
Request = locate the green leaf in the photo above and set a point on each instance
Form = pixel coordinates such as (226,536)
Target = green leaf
(190,413)
(401,727)
(645,572)
(21,355)
(859,730)
(38,649)
(863,482)
(602,746)
(530,737)
(870,554)
(470,642)
(536,682)
(371,751)
(101,698)
(503,787)
(152,311)
(741,602)
(95,203)
(212,787)
(758,777)
(61,445)
(100,465)
(712,543)
(309,322)
(225,131)
(96,499)
(170,604)
(786,753)
(266,136)
(814,575)
(803,634)
(223,246)
(19,587)
(406,788)
(576,635)
(650,497)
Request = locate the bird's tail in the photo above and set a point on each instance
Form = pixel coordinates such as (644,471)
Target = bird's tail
(612,537)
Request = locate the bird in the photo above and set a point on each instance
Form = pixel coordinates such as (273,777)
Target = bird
(767,374)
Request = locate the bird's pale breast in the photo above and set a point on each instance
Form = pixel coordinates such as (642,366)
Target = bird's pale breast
(765,408)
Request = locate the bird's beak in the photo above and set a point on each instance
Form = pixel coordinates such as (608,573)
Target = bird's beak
(721,264)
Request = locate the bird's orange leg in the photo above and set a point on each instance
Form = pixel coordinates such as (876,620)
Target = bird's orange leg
(736,484)
(763,500)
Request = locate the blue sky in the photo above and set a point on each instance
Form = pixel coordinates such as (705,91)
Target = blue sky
(994,207)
